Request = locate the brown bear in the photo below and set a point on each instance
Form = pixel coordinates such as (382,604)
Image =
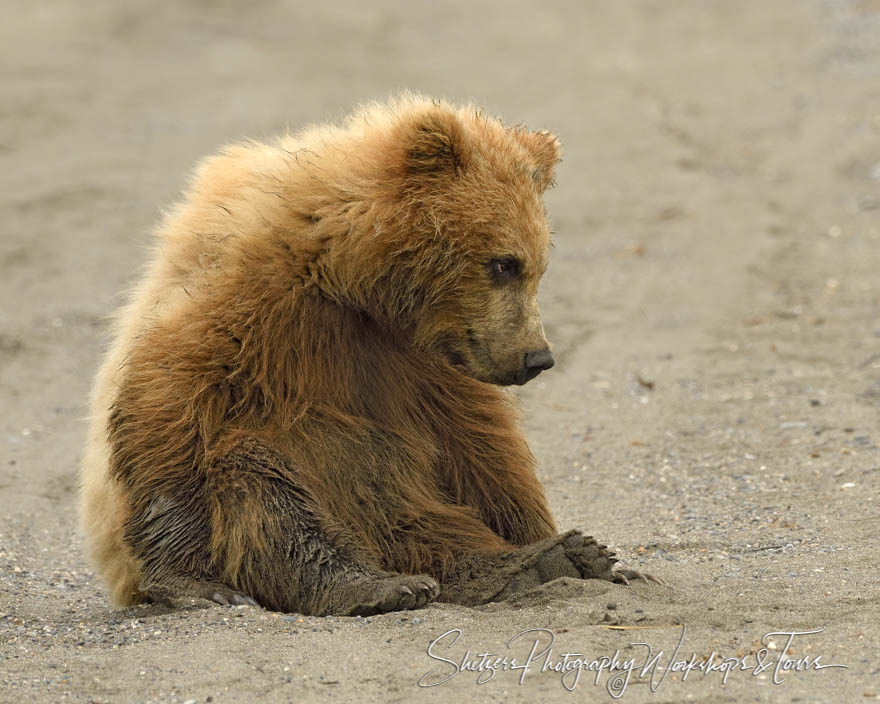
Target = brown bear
(302,405)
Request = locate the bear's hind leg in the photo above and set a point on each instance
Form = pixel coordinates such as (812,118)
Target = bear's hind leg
(269,542)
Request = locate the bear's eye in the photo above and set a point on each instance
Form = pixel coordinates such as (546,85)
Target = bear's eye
(503,269)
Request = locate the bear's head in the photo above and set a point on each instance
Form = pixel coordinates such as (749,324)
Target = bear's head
(473,190)
(455,238)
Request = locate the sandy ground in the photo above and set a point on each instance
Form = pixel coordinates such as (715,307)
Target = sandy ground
(713,299)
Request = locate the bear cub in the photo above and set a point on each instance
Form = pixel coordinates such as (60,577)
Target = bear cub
(302,404)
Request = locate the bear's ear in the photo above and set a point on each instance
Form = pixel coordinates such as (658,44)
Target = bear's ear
(545,151)
(435,142)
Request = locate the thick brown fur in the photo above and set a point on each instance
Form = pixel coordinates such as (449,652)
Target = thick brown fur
(302,402)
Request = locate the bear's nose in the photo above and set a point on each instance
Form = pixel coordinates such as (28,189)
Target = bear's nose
(540,360)
(534,363)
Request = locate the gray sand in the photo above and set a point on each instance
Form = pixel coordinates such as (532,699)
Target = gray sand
(713,300)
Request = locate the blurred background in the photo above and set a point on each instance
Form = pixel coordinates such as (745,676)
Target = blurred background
(111,103)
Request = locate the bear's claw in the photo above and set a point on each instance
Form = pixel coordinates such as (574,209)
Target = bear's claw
(624,576)
(230,597)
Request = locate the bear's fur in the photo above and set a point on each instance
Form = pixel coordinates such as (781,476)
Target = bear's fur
(301,405)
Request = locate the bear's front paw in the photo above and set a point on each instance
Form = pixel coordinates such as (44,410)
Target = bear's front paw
(570,554)
(394,593)
(592,559)
(595,561)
